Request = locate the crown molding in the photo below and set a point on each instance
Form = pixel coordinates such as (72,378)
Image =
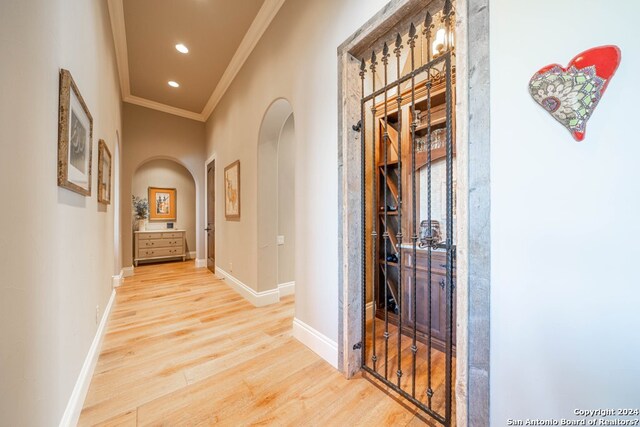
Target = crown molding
(257,28)
(259,25)
(144,102)
(116,14)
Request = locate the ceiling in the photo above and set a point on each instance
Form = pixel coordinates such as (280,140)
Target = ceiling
(220,35)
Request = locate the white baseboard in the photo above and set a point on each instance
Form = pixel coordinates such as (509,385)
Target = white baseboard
(117,280)
(127,271)
(76,401)
(285,289)
(201,263)
(191,255)
(259,299)
(316,341)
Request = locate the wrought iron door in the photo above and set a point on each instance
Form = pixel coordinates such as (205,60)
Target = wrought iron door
(408,151)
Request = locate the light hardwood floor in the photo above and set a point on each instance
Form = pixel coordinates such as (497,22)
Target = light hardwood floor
(182,348)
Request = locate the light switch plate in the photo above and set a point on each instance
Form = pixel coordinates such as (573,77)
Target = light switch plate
(280,240)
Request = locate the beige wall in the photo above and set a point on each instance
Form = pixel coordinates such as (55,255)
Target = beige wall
(267,214)
(286,202)
(169,174)
(57,246)
(150,134)
(276,209)
(296,59)
(268,195)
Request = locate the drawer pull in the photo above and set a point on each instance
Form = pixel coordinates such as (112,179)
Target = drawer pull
(442,283)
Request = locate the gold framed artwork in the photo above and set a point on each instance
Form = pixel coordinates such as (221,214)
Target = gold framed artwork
(75,136)
(232,191)
(104,173)
(162,204)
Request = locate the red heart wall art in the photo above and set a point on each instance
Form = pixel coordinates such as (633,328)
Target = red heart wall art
(571,94)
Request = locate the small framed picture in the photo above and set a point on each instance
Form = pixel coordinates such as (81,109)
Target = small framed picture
(104,173)
(75,136)
(232,191)
(170,225)
(162,204)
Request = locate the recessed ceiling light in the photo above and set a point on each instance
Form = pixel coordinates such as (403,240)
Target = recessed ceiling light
(182,48)
(173,84)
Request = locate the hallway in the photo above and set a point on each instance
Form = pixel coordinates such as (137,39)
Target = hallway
(182,348)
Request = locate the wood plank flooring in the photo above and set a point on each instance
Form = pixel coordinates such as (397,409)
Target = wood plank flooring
(415,383)
(182,348)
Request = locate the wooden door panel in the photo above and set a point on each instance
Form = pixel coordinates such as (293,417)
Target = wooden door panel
(422,303)
(211,220)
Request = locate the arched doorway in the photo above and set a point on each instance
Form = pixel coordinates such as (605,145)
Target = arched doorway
(276,199)
(167,173)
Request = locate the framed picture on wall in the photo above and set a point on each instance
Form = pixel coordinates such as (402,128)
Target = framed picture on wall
(162,204)
(75,136)
(104,173)
(232,191)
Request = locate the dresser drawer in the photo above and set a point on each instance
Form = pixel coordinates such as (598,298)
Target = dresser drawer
(159,252)
(146,236)
(172,235)
(149,243)
(170,242)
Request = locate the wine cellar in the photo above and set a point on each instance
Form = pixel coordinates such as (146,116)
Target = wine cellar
(408,148)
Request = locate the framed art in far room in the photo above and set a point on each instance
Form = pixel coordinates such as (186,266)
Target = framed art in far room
(232,191)
(162,204)
(75,136)
(104,173)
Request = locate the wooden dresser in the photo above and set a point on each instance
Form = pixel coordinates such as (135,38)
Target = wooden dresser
(155,245)
(438,297)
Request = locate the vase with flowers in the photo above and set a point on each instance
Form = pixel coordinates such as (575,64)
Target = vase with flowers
(141,211)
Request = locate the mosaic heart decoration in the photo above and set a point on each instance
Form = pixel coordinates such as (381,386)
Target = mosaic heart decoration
(571,94)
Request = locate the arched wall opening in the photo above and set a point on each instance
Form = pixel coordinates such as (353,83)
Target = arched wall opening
(168,173)
(276,199)
(286,203)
